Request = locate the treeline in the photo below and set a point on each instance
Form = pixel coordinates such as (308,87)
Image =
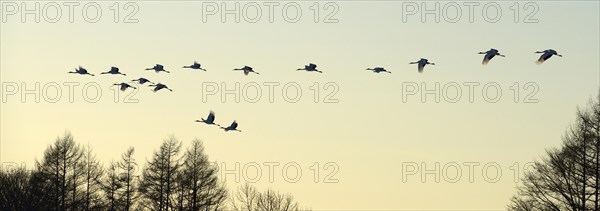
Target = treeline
(70,177)
(568,177)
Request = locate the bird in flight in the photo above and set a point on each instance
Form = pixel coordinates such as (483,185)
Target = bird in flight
(247,69)
(210,120)
(421,64)
(489,55)
(81,71)
(196,66)
(160,86)
(232,127)
(310,68)
(157,68)
(378,70)
(113,71)
(546,55)
(142,81)
(124,86)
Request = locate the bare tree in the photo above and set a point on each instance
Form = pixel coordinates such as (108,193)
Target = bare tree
(93,181)
(62,166)
(15,193)
(42,191)
(157,183)
(127,178)
(69,177)
(77,175)
(22,189)
(180,191)
(199,178)
(112,186)
(248,198)
(568,177)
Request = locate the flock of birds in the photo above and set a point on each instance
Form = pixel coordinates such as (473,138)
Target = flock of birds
(421,63)
(210,120)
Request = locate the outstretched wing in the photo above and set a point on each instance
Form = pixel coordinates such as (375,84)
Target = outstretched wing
(211,117)
(544,57)
(487,58)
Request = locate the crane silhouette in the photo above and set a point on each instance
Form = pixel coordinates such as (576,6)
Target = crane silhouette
(421,64)
(196,66)
(378,70)
(247,69)
(113,71)
(210,120)
(310,68)
(232,127)
(546,55)
(158,68)
(160,86)
(124,86)
(81,71)
(489,55)
(142,81)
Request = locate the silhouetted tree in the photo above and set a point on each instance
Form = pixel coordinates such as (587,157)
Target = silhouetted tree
(69,177)
(568,177)
(180,191)
(198,181)
(127,178)
(158,180)
(41,190)
(112,186)
(93,181)
(15,192)
(248,198)
(77,174)
(61,166)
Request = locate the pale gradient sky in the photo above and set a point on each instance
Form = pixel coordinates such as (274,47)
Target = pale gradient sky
(369,133)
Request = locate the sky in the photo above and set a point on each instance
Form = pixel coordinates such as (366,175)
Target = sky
(360,140)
